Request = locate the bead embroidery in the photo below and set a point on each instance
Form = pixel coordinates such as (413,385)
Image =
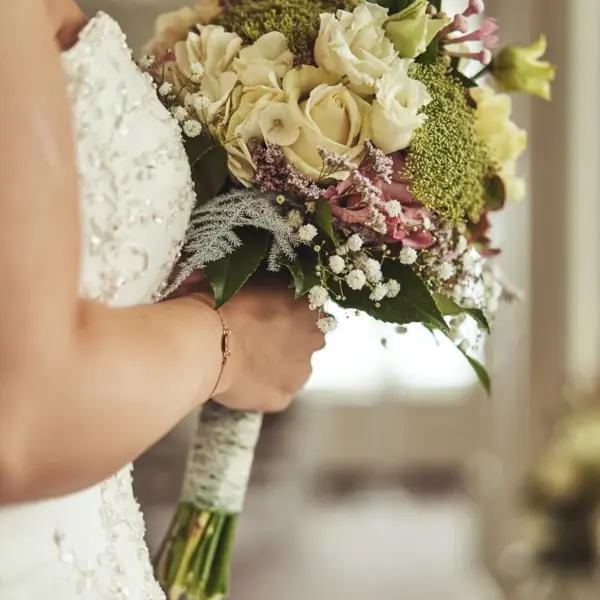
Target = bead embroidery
(120,187)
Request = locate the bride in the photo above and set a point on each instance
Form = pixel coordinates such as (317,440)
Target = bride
(91,373)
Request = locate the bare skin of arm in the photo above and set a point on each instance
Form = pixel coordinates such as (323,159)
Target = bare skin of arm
(84,389)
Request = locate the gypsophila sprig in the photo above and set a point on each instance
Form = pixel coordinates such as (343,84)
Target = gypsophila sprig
(327,324)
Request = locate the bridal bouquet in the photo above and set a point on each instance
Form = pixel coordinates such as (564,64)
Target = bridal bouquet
(340,141)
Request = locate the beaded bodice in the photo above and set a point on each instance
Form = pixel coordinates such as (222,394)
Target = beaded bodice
(136,198)
(135,186)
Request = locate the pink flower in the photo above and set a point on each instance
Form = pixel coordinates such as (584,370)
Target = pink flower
(479,236)
(486,34)
(475,7)
(347,206)
(409,226)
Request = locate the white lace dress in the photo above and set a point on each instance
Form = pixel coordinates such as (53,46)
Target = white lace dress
(136,198)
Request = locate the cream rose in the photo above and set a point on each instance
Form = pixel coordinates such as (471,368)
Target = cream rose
(504,140)
(205,59)
(246,126)
(326,114)
(396,111)
(174,27)
(354,45)
(213,48)
(270,53)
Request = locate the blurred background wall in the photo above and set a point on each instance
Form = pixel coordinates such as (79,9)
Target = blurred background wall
(393,475)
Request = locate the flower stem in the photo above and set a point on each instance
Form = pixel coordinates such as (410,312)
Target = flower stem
(481,73)
(198,551)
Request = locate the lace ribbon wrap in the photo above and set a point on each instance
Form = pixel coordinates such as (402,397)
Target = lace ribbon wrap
(220,458)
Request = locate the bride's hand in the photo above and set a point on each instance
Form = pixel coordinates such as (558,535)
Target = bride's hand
(272,342)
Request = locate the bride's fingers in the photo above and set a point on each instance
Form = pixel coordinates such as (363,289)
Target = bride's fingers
(196,277)
(195,283)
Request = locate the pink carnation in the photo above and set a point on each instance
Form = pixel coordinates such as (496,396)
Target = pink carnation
(351,207)
(348,206)
(409,227)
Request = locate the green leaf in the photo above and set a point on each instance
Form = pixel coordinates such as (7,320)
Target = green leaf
(395,6)
(465,81)
(481,372)
(430,55)
(208,161)
(414,303)
(324,219)
(228,275)
(303,274)
(432,330)
(449,308)
(495,193)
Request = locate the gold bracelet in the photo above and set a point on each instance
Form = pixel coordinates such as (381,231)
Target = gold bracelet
(224,340)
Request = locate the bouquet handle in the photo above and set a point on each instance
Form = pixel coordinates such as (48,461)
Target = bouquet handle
(194,560)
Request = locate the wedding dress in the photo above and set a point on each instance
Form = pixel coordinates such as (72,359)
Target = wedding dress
(136,198)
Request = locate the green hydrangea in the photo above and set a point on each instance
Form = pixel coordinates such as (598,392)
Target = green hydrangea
(446,162)
(298,20)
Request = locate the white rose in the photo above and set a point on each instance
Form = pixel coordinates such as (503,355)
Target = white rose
(395,114)
(355,45)
(218,97)
(327,115)
(214,49)
(244,127)
(270,53)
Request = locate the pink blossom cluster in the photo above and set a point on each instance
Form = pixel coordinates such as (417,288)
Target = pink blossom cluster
(404,219)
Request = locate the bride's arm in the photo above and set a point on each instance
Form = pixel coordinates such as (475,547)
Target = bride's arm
(85,389)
